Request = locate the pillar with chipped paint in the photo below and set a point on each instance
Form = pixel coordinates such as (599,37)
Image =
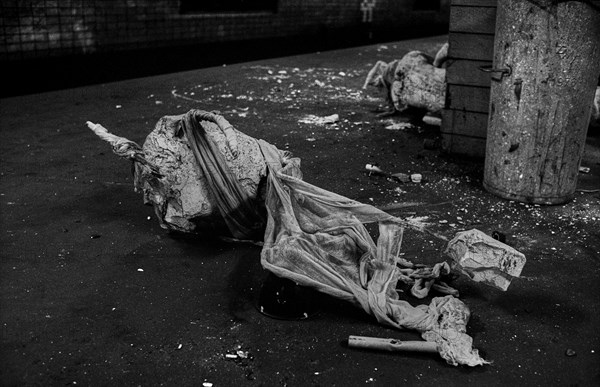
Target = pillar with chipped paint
(546,62)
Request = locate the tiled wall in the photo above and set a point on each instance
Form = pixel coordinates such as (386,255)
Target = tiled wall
(50,28)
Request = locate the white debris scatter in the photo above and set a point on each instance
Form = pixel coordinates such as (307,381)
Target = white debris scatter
(399,191)
(330,85)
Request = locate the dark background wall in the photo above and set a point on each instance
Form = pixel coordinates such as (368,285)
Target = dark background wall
(44,35)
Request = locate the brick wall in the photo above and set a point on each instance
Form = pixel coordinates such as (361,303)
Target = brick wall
(44,28)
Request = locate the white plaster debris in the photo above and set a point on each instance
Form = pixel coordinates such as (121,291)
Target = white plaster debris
(399,126)
(416,177)
(316,120)
(584,169)
(420,221)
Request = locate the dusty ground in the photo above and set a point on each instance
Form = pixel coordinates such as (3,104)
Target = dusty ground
(93,292)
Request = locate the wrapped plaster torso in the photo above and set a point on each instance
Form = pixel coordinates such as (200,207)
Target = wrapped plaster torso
(182,198)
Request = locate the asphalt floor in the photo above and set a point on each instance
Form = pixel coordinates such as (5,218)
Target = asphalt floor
(94,292)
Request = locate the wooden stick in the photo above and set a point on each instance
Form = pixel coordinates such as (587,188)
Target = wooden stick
(391,344)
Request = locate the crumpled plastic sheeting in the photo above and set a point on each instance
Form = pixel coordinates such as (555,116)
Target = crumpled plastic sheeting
(239,210)
(318,239)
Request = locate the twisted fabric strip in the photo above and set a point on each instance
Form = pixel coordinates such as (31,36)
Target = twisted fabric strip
(123,147)
(238,209)
(318,239)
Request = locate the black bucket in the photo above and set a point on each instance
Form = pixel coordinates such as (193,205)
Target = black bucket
(284,299)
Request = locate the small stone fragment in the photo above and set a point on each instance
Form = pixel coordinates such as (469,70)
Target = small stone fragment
(416,177)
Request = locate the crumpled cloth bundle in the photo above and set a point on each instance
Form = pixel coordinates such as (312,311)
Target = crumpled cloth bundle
(416,80)
(318,239)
